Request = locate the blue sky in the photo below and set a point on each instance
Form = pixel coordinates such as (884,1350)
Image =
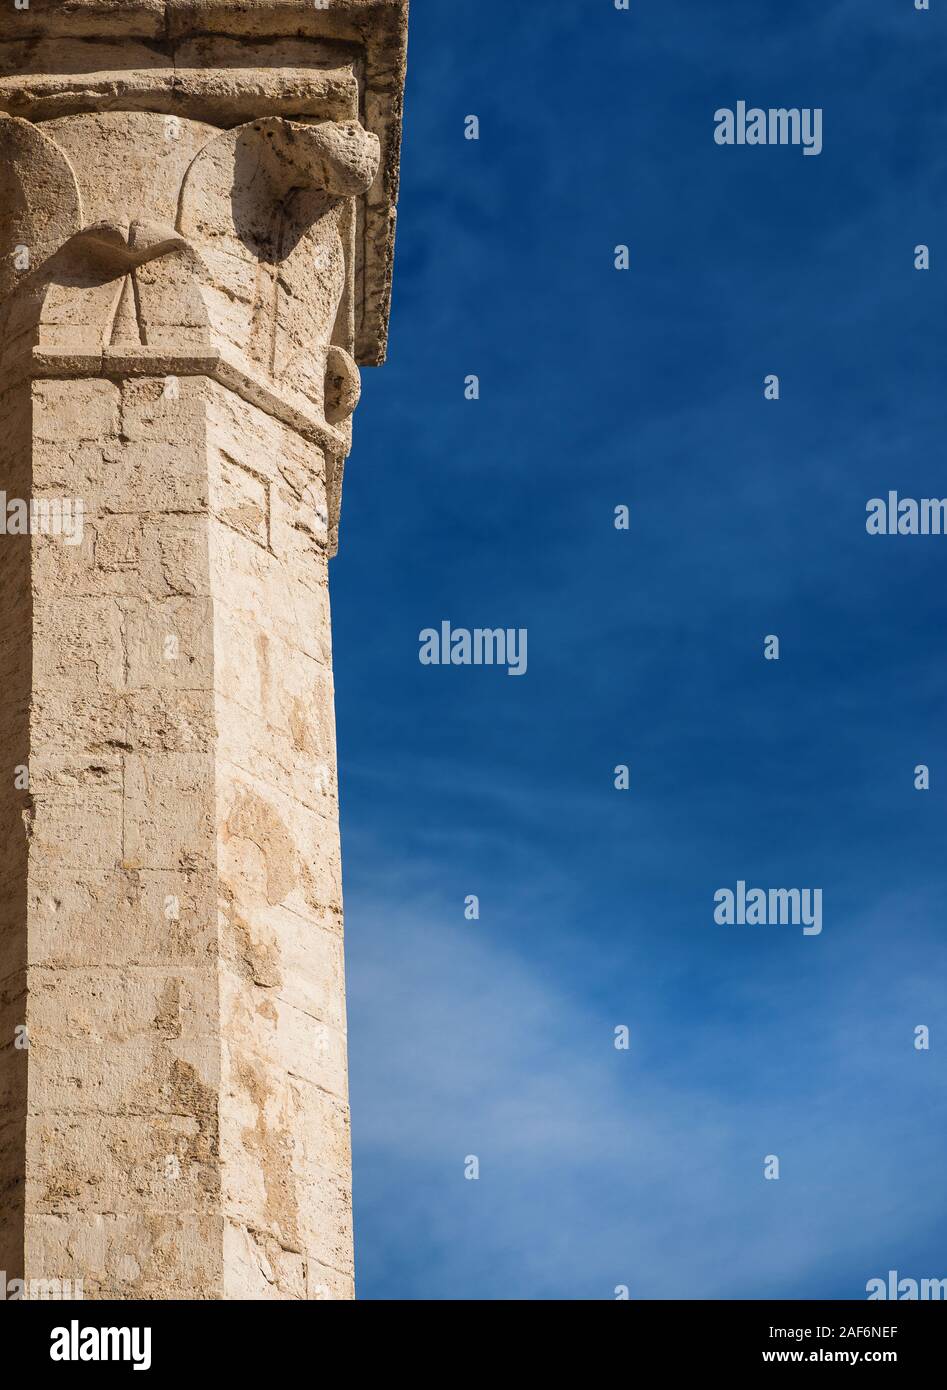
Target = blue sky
(598,388)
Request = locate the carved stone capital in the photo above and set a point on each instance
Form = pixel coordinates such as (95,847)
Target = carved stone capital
(202,196)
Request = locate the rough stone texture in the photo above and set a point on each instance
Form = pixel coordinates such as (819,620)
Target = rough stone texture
(206,195)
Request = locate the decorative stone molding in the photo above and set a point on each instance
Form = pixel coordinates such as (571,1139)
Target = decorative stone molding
(157,243)
(227,62)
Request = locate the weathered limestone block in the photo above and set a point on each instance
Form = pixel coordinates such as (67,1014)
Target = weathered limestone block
(196,221)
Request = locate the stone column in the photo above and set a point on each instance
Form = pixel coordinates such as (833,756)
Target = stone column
(196,224)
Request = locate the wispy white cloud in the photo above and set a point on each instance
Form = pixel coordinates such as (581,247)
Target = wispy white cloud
(600,1167)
